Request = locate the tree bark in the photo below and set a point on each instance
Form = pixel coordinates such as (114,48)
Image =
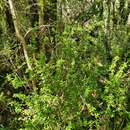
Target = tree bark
(18,34)
(9,20)
(107,44)
(33,12)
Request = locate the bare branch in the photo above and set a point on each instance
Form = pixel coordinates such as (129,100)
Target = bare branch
(18,34)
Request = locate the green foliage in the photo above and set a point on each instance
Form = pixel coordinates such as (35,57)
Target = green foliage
(79,78)
(74,90)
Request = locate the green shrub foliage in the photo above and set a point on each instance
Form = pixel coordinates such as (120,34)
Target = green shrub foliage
(79,76)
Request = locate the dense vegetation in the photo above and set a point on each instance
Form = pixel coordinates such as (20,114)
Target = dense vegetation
(64,65)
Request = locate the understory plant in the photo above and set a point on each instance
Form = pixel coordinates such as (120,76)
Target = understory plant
(74,90)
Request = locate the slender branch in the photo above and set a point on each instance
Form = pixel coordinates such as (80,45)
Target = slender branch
(107,44)
(18,34)
(41,11)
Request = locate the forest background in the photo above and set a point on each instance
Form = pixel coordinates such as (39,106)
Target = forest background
(64,65)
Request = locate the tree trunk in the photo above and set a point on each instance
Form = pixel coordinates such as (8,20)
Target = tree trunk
(33,12)
(9,20)
(18,34)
